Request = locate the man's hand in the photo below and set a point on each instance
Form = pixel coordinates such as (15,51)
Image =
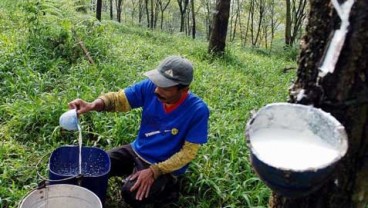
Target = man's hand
(84,107)
(81,106)
(144,182)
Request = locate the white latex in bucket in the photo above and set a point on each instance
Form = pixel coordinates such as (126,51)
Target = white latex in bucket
(296,137)
(294,148)
(61,196)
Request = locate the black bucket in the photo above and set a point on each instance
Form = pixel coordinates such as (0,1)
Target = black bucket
(64,168)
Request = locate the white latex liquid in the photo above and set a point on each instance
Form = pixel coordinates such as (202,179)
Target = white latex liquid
(80,149)
(290,149)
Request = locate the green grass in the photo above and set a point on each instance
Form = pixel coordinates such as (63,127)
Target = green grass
(42,68)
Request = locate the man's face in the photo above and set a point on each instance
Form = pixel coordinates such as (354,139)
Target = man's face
(168,95)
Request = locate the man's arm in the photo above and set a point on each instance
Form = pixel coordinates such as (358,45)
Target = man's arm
(115,101)
(112,101)
(84,107)
(146,177)
(184,156)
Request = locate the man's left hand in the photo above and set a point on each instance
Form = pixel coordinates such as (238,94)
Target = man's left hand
(143,184)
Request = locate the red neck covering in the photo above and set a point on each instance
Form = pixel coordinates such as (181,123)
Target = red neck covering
(172,107)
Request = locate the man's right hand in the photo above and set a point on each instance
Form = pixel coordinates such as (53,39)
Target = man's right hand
(81,106)
(84,107)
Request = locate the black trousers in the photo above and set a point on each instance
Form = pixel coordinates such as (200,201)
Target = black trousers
(124,162)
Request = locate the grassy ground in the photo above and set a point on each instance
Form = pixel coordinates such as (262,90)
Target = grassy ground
(42,68)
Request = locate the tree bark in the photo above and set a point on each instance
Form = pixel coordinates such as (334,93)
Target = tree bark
(219,28)
(344,94)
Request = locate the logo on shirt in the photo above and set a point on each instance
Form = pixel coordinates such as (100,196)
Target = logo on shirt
(174,131)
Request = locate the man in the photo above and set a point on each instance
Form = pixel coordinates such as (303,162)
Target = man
(174,125)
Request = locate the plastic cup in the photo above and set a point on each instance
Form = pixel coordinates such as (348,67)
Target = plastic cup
(69,120)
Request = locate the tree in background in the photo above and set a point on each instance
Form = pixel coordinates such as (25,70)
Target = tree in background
(295,16)
(190,20)
(152,14)
(99,9)
(274,23)
(193,20)
(147,12)
(208,18)
(257,8)
(118,9)
(217,40)
(255,23)
(111,10)
(262,19)
(235,19)
(183,5)
(343,93)
(163,7)
(134,4)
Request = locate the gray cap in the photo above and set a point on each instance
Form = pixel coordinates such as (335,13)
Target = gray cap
(173,70)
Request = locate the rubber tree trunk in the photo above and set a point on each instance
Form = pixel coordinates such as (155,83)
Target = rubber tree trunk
(111,10)
(219,27)
(344,94)
(193,20)
(288,23)
(99,9)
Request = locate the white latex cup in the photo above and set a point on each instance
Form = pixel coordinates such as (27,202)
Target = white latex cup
(69,120)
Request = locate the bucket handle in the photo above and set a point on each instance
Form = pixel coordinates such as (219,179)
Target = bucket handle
(45,181)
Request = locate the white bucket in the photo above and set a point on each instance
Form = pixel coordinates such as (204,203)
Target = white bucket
(61,196)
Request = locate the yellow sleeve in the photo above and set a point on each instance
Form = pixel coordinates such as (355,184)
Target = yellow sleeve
(184,156)
(116,101)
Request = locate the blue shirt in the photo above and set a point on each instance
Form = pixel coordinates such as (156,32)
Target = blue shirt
(163,134)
